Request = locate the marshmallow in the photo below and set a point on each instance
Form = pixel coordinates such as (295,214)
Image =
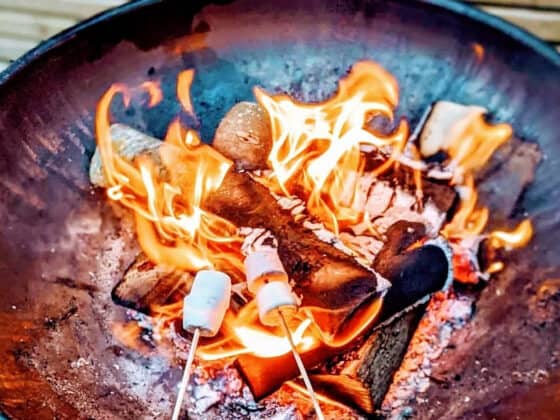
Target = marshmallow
(272,296)
(264,266)
(206,305)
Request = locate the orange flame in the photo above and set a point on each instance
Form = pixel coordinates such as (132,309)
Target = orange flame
(470,147)
(517,238)
(154,92)
(317,147)
(166,196)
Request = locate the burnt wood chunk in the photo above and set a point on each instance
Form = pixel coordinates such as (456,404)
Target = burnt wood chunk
(382,354)
(146,285)
(502,182)
(325,277)
(503,179)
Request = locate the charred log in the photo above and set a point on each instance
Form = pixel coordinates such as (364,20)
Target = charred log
(324,276)
(503,181)
(146,285)
(380,355)
(505,176)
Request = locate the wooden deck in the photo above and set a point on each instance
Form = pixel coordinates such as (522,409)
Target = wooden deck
(24,23)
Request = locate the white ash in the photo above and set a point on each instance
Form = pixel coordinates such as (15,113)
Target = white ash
(445,314)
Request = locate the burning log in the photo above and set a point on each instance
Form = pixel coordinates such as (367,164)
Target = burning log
(325,277)
(510,168)
(330,282)
(507,175)
(380,355)
(146,284)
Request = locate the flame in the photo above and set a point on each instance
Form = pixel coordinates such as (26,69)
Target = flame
(473,142)
(184,82)
(478,51)
(517,238)
(166,194)
(316,148)
(154,92)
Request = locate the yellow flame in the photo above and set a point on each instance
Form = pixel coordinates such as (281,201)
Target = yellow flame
(317,147)
(517,238)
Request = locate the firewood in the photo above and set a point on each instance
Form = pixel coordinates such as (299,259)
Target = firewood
(506,176)
(244,136)
(146,285)
(325,277)
(380,355)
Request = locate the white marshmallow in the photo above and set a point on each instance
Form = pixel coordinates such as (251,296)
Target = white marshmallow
(206,305)
(272,296)
(263,266)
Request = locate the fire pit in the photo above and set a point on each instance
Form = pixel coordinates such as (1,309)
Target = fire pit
(71,351)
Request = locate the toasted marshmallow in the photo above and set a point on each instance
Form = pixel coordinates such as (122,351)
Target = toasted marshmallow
(272,296)
(264,266)
(206,305)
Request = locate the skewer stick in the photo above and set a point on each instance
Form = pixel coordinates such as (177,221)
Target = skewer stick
(301,367)
(186,375)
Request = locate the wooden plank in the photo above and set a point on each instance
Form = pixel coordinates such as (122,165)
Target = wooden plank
(78,9)
(12,48)
(545,24)
(31,26)
(551,4)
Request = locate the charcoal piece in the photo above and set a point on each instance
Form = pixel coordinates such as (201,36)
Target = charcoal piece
(146,285)
(425,270)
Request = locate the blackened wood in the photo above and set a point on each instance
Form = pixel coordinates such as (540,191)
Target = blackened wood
(324,276)
(146,285)
(509,172)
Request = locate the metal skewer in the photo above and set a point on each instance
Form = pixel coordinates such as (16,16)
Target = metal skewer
(186,375)
(301,367)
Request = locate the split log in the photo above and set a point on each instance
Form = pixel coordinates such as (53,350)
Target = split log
(505,176)
(380,355)
(329,281)
(146,285)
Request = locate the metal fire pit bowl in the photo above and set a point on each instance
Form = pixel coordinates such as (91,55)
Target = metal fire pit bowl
(62,247)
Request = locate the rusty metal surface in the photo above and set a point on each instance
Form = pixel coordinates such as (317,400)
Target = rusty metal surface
(60,243)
